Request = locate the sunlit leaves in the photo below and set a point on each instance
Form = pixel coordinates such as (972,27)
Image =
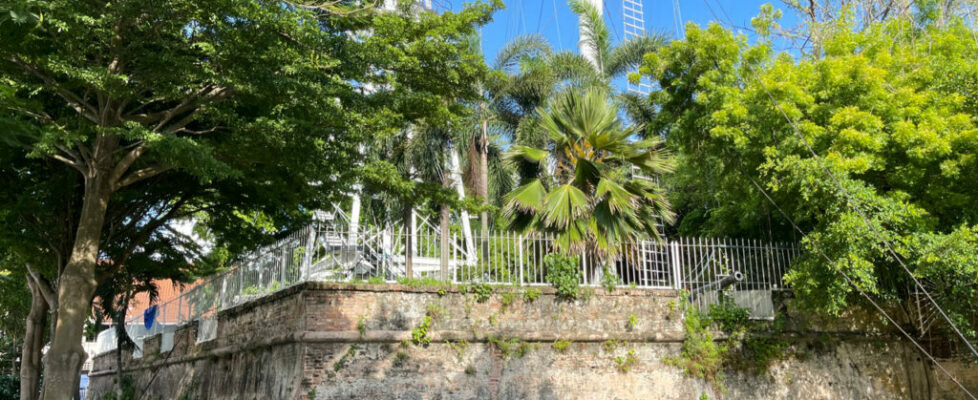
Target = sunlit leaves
(593,202)
(892,119)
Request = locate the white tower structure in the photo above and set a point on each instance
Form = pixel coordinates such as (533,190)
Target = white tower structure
(633,23)
(589,53)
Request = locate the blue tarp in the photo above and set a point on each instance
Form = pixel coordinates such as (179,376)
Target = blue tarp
(149,316)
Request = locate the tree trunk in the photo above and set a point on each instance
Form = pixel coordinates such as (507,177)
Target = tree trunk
(75,289)
(30,358)
(482,188)
(119,318)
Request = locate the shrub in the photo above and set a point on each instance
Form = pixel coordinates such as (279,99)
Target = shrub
(507,299)
(728,316)
(626,362)
(564,274)
(375,280)
(362,325)
(561,345)
(632,321)
(609,279)
(421,282)
(531,295)
(419,335)
(482,291)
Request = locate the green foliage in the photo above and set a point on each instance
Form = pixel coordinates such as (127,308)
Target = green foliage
(728,316)
(610,345)
(609,280)
(895,122)
(563,273)
(459,346)
(511,347)
(362,325)
(481,291)
(561,345)
(229,112)
(376,280)
(436,311)
(587,293)
(400,359)
(419,335)
(418,282)
(506,299)
(700,355)
(341,363)
(632,321)
(531,295)
(748,346)
(759,352)
(591,201)
(127,390)
(250,291)
(627,362)
(9,386)
(493,319)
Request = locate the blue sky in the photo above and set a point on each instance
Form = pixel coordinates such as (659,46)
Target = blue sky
(560,27)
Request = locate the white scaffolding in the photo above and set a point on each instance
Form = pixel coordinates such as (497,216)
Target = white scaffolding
(633,23)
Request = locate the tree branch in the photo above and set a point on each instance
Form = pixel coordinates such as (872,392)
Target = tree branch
(78,166)
(81,106)
(45,287)
(123,165)
(142,174)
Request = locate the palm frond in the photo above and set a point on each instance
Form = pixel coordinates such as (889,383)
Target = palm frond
(594,32)
(629,53)
(575,70)
(527,198)
(563,205)
(523,46)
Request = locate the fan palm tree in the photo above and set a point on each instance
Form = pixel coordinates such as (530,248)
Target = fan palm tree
(586,193)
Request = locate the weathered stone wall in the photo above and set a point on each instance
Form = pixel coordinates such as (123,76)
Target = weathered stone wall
(332,341)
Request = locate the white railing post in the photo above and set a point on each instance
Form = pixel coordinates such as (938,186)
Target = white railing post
(674,252)
(519,244)
(309,249)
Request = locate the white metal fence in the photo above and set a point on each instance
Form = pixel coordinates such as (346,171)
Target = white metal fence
(332,253)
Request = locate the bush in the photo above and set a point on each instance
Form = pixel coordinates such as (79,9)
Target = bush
(9,387)
(609,279)
(564,274)
(419,335)
(728,316)
(531,295)
(482,292)
(561,345)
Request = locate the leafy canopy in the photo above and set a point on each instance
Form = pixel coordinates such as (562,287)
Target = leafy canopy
(584,189)
(891,109)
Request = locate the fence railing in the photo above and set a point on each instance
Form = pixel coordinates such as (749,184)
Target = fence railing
(332,253)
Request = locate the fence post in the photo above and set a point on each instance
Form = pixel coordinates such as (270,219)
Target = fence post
(307,253)
(281,265)
(674,250)
(519,247)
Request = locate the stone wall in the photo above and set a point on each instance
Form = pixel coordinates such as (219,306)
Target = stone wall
(340,341)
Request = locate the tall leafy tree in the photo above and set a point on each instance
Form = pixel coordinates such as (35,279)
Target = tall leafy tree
(892,120)
(259,102)
(590,198)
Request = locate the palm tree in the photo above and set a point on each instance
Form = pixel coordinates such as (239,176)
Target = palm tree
(585,191)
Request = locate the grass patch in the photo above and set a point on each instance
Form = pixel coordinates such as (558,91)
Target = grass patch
(561,345)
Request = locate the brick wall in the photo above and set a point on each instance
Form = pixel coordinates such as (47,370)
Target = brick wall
(342,341)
